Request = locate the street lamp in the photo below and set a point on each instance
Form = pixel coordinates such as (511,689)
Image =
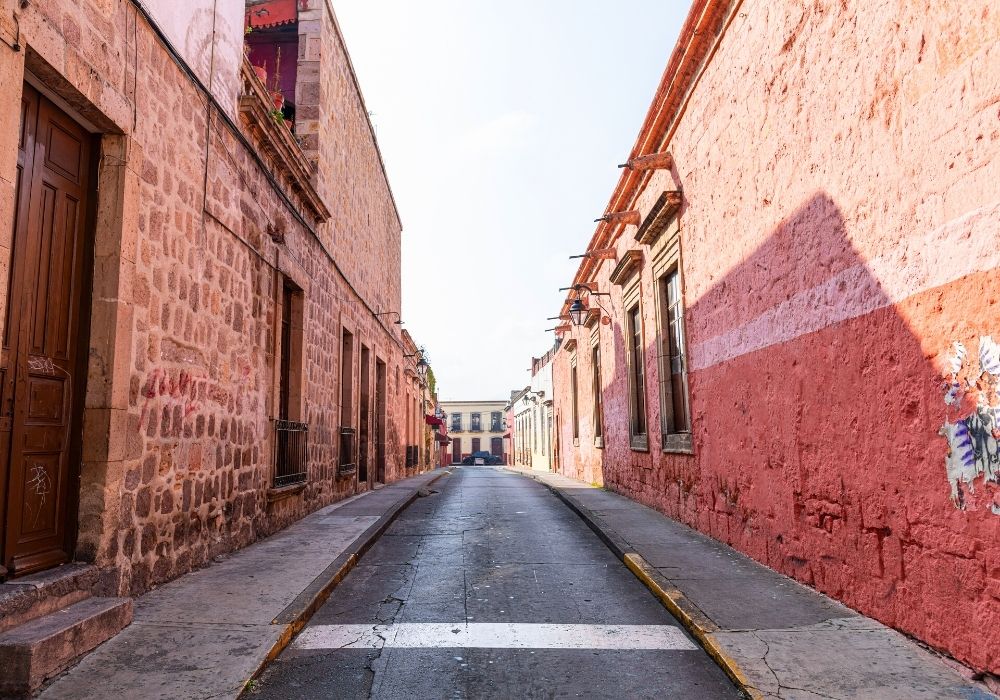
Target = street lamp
(578,312)
(422,369)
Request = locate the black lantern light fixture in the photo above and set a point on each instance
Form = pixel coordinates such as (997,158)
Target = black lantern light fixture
(422,366)
(578,312)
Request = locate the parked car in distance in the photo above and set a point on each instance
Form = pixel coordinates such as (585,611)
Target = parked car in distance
(482,457)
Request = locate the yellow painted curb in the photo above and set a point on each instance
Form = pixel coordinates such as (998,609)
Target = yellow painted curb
(695,621)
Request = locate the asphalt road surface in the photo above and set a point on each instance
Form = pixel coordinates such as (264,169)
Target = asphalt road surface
(492,588)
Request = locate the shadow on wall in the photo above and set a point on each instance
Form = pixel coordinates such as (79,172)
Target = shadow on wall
(816,414)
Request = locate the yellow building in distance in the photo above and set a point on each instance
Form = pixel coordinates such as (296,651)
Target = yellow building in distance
(474,426)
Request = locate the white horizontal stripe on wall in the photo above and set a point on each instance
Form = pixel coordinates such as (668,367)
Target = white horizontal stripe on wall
(966,245)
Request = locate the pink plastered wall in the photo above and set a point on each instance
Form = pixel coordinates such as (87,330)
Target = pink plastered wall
(839,232)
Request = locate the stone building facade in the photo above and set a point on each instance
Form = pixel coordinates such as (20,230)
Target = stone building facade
(216,357)
(798,275)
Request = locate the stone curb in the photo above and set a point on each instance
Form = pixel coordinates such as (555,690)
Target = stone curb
(687,613)
(298,613)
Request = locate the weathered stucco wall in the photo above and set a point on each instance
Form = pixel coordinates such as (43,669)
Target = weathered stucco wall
(839,231)
(182,385)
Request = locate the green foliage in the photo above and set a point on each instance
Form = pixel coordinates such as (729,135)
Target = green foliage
(431,381)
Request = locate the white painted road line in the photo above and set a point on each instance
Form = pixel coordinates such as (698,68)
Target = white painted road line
(484,635)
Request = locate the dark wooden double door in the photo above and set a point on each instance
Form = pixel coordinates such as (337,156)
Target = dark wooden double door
(42,367)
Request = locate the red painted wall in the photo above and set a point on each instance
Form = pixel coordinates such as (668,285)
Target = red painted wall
(839,232)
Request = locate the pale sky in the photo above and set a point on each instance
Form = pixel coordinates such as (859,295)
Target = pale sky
(501,123)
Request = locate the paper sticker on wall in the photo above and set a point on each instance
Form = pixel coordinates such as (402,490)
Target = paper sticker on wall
(973,448)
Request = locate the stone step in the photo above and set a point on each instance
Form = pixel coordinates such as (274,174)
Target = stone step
(40,649)
(29,597)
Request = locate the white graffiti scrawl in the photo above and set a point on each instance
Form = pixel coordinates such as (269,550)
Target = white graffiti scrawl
(40,483)
(973,447)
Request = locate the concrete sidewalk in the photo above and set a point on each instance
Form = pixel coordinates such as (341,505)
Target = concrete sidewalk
(775,637)
(207,633)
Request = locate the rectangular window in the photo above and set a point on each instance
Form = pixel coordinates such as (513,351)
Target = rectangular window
(534,430)
(476,423)
(675,421)
(290,459)
(496,419)
(595,362)
(456,423)
(575,405)
(637,381)
(347,431)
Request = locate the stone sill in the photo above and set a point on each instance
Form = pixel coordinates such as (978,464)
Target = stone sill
(282,492)
(678,443)
(599,442)
(349,471)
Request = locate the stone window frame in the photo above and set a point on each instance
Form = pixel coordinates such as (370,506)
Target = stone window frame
(111,430)
(667,260)
(346,419)
(288,279)
(289,270)
(597,388)
(631,301)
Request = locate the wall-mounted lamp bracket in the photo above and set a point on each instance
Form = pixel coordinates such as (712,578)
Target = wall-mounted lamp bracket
(629,218)
(598,254)
(652,161)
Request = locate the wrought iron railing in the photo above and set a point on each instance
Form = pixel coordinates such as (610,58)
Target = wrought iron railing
(348,442)
(290,452)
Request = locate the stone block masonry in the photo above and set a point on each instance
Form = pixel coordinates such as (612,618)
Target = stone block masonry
(837,234)
(201,223)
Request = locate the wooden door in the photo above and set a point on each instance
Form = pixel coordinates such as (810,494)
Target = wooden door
(456,450)
(496,447)
(42,372)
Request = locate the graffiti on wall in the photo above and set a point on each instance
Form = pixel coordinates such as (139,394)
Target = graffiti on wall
(972,423)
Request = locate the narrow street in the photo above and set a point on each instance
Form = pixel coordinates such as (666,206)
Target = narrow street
(491,587)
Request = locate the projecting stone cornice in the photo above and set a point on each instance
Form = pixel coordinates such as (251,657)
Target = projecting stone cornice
(629,264)
(659,217)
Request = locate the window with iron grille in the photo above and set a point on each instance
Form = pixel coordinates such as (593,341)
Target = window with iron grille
(475,423)
(290,436)
(348,438)
(496,420)
(456,423)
